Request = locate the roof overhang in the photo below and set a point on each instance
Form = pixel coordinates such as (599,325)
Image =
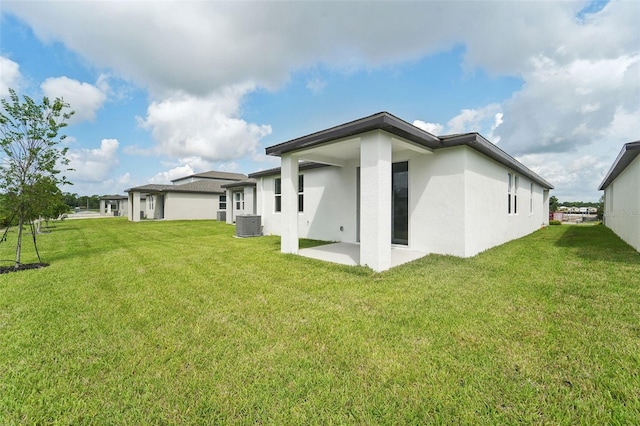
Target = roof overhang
(348,132)
(240,184)
(337,145)
(276,170)
(480,144)
(628,153)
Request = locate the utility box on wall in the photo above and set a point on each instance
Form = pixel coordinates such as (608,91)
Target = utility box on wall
(248,226)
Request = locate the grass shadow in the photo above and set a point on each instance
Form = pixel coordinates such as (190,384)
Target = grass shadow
(597,242)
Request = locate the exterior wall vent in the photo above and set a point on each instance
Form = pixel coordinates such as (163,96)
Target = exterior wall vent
(248,226)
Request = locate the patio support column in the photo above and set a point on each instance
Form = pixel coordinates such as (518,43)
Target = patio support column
(289,203)
(375,201)
(102,212)
(130,205)
(229,194)
(134,214)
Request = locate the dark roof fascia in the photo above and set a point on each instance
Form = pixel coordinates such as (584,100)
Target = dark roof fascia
(214,175)
(276,170)
(380,121)
(480,144)
(240,184)
(627,154)
(152,187)
(114,197)
(159,189)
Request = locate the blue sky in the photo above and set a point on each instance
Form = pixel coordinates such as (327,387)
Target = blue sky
(167,89)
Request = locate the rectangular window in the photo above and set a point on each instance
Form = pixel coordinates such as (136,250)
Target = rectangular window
(515,194)
(222,202)
(300,193)
(239,196)
(151,202)
(277,190)
(509,192)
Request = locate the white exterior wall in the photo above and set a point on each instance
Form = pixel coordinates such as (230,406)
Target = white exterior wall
(436,201)
(487,221)
(622,204)
(457,203)
(329,203)
(184,205)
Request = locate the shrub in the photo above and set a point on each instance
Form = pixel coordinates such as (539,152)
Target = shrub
(555,222)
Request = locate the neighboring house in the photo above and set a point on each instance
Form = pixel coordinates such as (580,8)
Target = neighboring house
(114,205)
(621,188)
(199,196)
(241,196)
(381,182)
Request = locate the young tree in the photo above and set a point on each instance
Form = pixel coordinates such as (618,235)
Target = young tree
(553,204)
(30,154)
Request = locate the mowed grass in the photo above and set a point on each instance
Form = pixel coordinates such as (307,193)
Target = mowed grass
(180,323)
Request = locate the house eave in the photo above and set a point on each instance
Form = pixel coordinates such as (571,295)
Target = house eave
(627,154)
(276,170)
(483,146)
(380,121)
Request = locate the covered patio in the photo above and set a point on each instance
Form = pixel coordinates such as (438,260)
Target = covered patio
(371,145)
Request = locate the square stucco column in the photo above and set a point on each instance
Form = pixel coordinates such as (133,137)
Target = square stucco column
(134,212)
(375,202)
(289,204)
(229,210)
(102,208)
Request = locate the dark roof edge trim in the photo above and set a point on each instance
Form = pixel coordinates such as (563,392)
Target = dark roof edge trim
(477,142)
(379,121)
(276,170)
(627,154)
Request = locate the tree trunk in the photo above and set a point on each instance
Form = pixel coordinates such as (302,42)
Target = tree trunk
(19,244)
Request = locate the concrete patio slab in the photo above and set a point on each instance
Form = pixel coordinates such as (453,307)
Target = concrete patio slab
(349,254)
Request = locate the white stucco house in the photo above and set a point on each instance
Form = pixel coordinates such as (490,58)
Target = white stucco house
(386,188)
(114,205)
(198,196)
(621,187)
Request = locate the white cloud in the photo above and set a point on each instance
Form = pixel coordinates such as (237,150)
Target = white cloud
(433,128)
(208,127)
(10,77)
(316,85)
(579,71)
(472,120)
(94,165)
(229,43)
(563,108)
(575,178)
(83,98)
(169,175)
(124,179)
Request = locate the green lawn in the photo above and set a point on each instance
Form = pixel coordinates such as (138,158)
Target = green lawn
(179,323)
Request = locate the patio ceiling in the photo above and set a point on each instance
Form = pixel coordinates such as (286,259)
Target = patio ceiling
(339,152)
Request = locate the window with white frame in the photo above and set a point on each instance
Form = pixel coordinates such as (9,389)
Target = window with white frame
(150,202)
(239,199)
(222,202)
